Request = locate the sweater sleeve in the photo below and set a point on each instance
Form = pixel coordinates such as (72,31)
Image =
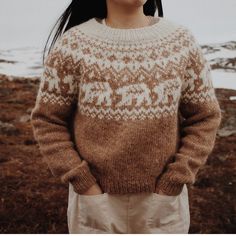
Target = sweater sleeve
(55,103)
(201,114)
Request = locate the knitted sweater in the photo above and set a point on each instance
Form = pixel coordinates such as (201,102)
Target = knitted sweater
(133,110)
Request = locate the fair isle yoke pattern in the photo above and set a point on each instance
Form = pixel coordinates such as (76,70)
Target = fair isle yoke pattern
(126,83)
(126,78)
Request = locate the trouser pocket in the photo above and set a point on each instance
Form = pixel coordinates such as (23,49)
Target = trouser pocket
(93,212)
(86,213)
(170,214)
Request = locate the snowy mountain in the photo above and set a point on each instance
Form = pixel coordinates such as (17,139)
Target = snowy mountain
(221,56)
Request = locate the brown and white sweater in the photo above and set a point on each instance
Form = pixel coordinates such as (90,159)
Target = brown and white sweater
(110,102)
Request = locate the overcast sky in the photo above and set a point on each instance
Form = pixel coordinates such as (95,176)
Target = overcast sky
(28,22)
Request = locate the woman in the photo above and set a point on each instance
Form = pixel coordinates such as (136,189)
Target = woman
(115,86)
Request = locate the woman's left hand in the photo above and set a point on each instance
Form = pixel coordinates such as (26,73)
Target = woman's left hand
(161,193)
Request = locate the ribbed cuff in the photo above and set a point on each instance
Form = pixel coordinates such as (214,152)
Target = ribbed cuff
(169,188)
(81,178)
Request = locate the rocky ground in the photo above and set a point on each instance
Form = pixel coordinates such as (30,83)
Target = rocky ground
(33,201)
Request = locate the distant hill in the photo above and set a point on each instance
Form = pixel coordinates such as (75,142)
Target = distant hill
(221,55)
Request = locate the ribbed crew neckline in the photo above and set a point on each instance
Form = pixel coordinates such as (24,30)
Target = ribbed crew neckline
(152,20)
(95,28)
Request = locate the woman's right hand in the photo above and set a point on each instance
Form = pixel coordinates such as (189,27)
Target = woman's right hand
(93,190)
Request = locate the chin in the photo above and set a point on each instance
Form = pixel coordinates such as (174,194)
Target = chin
(130,2)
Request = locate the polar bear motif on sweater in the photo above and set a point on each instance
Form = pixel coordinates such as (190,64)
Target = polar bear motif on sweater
(97,91)
(166,89)
(51,80)
(134,92)
(71,81)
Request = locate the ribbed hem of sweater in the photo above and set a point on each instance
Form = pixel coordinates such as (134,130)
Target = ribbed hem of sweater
(143,185)
(128,186)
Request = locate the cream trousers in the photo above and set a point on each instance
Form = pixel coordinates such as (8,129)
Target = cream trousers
(128,213)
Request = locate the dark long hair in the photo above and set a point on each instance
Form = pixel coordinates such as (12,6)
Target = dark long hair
(80,11)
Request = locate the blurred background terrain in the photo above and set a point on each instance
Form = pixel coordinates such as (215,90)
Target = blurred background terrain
(31,199)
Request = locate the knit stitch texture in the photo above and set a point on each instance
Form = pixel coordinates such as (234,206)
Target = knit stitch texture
(134,109)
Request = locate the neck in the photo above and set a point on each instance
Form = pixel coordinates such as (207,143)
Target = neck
(125,15)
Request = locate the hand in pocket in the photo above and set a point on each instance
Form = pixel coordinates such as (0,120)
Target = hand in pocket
(93,190)
(162,193)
